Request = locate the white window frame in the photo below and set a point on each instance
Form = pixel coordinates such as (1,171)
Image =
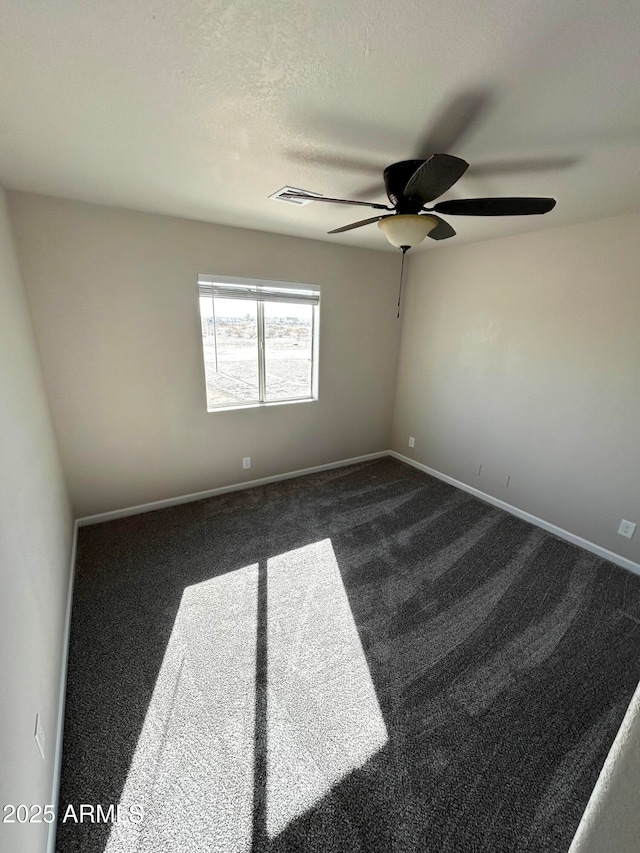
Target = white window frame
(261,291)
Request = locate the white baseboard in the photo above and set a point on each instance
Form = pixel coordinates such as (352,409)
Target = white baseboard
(62,692)
(234,487)
(619,560)
(624,562)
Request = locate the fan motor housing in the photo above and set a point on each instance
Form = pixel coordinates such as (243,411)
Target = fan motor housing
(396,178)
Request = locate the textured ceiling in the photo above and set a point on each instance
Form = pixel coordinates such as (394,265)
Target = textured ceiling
(203,109)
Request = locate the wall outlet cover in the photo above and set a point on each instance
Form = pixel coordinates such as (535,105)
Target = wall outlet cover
(246,462)
(412,441)
(627,528)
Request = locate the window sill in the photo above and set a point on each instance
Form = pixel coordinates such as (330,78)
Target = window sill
(240,406)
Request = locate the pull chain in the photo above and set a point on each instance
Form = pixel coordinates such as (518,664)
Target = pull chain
(405,249)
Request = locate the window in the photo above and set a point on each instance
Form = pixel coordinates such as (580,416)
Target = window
(259,340)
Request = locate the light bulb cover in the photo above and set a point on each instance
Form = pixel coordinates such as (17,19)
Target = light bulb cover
(406,229)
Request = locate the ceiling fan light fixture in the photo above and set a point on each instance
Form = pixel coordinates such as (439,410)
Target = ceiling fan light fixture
(406,229)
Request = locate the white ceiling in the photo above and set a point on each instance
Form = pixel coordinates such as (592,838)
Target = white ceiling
(202,108)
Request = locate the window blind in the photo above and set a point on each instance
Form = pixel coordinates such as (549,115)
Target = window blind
(267,292)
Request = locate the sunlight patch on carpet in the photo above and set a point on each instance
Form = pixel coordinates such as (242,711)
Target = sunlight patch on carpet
(324,720)
(193,770)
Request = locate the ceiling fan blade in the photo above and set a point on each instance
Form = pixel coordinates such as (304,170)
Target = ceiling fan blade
(442,231)
(435,176)
(495,206)
(356,225)
(335,200)
(453,123)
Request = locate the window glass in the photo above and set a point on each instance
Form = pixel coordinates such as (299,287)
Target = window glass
(259,340)
(288,335)
(230,343)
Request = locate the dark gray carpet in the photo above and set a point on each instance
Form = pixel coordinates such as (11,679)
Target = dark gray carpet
(365,659)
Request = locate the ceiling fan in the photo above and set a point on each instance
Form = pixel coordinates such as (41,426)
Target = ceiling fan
(410,186)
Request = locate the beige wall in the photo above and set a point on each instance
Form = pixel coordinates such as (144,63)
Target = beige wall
(35,552)
(114,300)
(523,355)
(611,821)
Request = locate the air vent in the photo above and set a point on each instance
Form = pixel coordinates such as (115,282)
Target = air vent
(299,202)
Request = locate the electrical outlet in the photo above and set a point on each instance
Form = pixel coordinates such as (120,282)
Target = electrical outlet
(246,462)
(627,528)
(479,471)
(412,441)
(507,481)
(39,735)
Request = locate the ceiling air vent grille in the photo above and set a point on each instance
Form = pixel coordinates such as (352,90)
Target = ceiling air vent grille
(298,202)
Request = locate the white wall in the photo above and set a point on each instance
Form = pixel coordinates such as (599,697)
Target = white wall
(611,822)
(114,300)
(522,355)
(35,550)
